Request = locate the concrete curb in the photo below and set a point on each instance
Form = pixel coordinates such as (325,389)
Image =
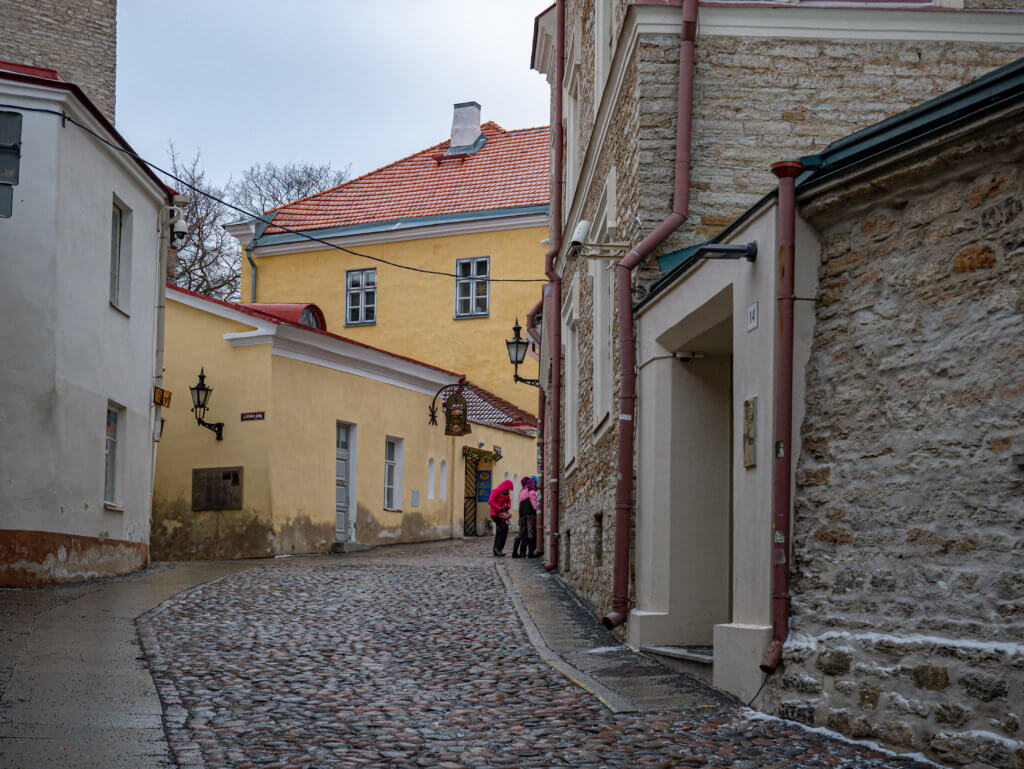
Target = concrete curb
(616,703)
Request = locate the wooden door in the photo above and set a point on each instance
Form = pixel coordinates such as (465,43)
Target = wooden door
(469,505)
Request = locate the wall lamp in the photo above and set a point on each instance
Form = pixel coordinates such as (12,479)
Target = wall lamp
(517,347)
(746,251)
(200,399)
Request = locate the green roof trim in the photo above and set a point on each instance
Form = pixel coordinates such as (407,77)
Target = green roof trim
(970,101)
(667,262)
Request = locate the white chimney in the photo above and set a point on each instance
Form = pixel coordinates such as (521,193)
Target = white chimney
(465,128)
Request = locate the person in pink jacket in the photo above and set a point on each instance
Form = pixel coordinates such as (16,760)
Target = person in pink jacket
(525,545)
(501,506)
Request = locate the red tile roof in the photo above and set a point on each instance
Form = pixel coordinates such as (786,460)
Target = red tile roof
(509,171)
(486,408)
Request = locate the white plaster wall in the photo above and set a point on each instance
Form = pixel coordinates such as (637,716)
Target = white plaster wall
(66,350)
(704,296)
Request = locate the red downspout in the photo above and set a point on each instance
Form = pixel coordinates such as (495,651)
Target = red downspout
(531,319)
(553,319)
(624,306)
(786,171)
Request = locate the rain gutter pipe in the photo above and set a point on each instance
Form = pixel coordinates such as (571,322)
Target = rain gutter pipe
(786,172)
(531,319)
(553,319)
(252,264)
(624,303)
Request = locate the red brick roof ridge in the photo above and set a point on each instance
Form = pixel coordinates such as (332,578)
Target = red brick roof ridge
(279,320)
(385,167)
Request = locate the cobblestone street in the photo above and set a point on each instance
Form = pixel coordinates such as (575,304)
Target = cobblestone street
(414,657)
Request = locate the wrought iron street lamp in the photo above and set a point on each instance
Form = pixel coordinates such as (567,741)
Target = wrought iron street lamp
(517,347)
(200,399)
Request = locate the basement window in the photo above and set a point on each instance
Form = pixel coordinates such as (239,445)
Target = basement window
(216,488)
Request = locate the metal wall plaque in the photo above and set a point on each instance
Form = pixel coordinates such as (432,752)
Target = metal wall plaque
(750,432)
(216,488)
(253,416)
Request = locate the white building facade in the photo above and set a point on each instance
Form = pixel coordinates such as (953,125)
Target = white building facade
(82,258)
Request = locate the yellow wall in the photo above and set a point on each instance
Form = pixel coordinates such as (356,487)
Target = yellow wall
(302,457)
(415,312)
(240,378)
(288,458)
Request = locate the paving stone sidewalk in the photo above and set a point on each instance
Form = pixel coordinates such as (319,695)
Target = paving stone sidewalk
(416,657)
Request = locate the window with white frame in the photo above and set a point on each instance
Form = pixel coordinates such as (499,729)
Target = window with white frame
(360,297)
(120,255)
(444,480)
(571,108)
(393,473)
(570,372)
(115,418)
(472,287)
(430,478)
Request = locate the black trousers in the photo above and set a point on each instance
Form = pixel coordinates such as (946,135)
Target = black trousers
(526,539)
(500,534)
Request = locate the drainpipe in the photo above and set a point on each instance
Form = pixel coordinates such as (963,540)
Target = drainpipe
(252,265)
(531,318)
(786,172)
(624,306)
(553,319)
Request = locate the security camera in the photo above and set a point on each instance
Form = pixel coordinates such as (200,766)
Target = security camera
(179,229)
(580,233)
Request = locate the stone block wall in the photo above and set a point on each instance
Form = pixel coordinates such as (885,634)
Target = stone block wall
(908,592)
(757,101)
(78,38)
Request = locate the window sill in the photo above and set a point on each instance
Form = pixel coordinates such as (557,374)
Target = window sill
(602,425)
(392,509)
(113,507)
(471,317)
(571,466)
(120,310)
(364,323)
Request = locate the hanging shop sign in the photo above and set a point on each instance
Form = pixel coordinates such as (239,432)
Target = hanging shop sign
(456,415)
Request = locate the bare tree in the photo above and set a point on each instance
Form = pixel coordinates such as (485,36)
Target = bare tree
(208,261)
(267,185)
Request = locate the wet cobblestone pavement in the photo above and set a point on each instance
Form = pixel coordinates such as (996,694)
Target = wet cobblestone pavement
(413,657)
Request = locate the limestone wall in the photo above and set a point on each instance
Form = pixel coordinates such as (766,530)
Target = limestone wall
(908,593)
(757,101)
(78,38)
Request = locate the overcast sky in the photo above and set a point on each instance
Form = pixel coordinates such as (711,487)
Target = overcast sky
(347,81)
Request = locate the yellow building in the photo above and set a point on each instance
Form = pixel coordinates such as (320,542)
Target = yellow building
(473,208)
(325,443)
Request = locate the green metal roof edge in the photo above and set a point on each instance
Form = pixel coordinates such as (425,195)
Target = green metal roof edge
(984,94)
(688,260)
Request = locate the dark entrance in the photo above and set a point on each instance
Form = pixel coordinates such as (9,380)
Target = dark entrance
(469,503)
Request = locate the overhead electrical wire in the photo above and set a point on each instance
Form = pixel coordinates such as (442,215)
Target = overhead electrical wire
(260,217)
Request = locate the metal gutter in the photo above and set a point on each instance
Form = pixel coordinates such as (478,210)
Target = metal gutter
(984,94)
(391,225)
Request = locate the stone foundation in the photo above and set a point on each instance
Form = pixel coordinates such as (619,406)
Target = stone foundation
(38,558)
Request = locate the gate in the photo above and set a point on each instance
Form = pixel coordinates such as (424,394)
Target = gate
(469,502)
